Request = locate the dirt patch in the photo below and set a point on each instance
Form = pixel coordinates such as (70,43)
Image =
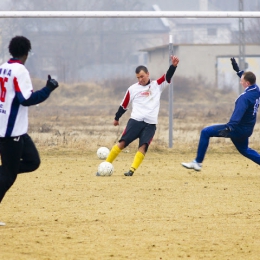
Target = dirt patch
(63,211)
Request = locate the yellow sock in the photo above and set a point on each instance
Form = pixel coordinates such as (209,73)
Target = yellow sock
(115,151)
(137,161)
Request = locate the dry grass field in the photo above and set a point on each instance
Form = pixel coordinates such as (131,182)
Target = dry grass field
(63,211)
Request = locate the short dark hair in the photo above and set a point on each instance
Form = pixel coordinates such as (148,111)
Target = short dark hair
(250,77)
(19,46)
(139,68)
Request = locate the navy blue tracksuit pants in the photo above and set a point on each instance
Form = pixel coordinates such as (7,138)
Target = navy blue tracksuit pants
(239,138)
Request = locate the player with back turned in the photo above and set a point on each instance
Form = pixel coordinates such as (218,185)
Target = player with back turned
(145,98)
(18,152)
(240,126)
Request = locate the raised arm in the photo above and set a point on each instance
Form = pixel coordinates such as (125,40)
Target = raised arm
(40,95)
(236,68)
(172,68)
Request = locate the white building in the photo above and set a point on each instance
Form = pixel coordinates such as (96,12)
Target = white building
(201,30)
(209,62)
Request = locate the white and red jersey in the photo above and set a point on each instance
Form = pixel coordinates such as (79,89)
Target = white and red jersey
(145,100)
(15,85)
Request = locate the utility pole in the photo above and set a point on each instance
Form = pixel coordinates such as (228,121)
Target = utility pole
(242,62)
(170,96)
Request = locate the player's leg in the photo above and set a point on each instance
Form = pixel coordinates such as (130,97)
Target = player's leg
(241,145)
(130,133)
(115,151)
(11,151)
(138,159)
(30,159)
(205,135)
(145,139)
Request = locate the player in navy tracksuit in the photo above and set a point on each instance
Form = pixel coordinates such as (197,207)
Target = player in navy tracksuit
(240,126)
(18,152)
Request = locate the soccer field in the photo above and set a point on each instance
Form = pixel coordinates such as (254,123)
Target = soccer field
(63,211)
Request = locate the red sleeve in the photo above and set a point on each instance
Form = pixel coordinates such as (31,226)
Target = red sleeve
(126,100)
(161,80)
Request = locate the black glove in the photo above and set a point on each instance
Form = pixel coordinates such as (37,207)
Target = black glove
(225,132)
(234,65)
(52,83)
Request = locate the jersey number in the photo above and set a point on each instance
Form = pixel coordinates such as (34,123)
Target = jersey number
(256,106)
(2,88)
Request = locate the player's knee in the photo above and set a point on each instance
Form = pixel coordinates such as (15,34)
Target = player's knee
(143,149)
(35,164)
(205,132)
(122,144)
(242,151)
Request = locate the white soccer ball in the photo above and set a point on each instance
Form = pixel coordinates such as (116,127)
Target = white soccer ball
(105,169)
(102,153)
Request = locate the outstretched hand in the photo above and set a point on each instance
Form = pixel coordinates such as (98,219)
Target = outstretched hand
(175,60)
(234,65)
(52,83)
(224,132)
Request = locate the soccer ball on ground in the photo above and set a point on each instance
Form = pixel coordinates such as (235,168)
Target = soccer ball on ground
(102,153)
(105,169)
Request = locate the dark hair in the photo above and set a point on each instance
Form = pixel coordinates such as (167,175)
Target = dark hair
(139,68)
(250,77)
(19,46)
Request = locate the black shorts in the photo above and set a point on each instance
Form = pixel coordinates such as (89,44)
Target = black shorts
(138,129)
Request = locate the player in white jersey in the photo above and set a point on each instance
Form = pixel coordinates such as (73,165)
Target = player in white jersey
(18,152)
(145,98)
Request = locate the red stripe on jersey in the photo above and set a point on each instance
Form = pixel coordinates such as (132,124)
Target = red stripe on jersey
(126,100)
(161,80)
(14,61)
(16,85)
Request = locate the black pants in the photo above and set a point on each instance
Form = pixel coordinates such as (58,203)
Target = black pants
(18,155)
(138,129)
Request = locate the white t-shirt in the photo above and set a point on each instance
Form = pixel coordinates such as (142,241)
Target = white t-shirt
(145,100)
(15,85)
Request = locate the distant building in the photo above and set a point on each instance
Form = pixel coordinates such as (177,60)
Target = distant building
(209,30)
(201,30)
(209,62)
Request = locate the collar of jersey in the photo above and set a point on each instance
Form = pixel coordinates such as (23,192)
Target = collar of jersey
(13,60)
(149,81)
(252,87)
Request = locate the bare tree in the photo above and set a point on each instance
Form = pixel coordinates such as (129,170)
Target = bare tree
(64,46)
